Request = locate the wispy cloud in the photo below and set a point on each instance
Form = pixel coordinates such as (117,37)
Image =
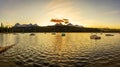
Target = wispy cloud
(83,12)
(62,9)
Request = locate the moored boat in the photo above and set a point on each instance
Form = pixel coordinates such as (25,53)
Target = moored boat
(109,35)
(63,34)
(32,34)
(53,33)
(95,37)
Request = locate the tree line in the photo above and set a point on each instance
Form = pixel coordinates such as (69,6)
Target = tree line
(54,29)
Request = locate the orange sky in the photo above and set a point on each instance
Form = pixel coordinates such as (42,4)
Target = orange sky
(89,13)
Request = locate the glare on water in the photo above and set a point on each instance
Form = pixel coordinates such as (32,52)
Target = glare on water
(73,49)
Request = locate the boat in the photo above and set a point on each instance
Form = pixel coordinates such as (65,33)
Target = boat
(95,37)
(109,35)
(53,33)
(32,34)
(63,34)
(101,33)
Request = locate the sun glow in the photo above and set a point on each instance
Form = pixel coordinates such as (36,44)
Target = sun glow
(60,9)
(80,12)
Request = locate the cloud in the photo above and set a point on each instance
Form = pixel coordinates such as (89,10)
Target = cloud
(63,8)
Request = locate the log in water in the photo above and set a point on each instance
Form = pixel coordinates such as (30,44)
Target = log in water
(3,49)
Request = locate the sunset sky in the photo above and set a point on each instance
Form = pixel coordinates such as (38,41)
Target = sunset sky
(89,13)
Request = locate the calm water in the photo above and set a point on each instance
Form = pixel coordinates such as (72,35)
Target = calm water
(72,50)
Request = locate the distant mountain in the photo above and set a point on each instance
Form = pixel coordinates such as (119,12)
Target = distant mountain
(54,28)
(25,25)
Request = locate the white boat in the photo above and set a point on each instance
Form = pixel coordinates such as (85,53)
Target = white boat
(109,35)
(95,37)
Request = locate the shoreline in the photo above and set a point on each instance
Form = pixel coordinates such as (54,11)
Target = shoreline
(59,32)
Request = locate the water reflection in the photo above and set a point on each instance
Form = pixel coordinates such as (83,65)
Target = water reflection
(74,49)
(1,39)
(7,39)
(17,39)
(60,42)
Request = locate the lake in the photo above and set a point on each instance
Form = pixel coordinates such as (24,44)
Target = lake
(54,50)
